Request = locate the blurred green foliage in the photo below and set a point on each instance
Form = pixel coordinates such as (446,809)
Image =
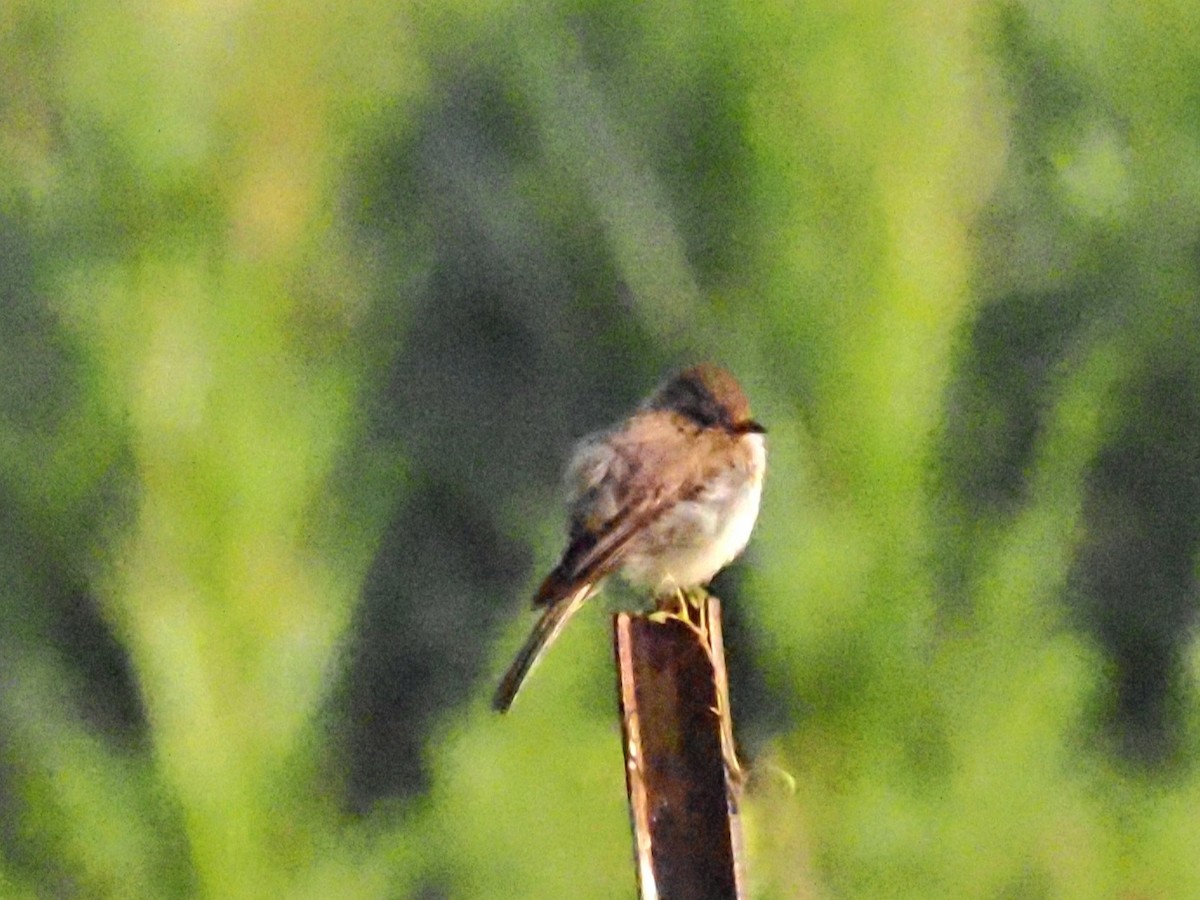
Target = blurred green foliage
(302,306)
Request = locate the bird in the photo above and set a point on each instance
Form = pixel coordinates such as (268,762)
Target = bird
(664,500)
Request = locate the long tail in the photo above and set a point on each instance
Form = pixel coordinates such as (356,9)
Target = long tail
(544,632)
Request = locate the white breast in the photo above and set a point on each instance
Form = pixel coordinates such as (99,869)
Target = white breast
(741,507)
(699,537)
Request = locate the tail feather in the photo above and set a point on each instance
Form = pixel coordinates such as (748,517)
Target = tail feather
(544,632)
(555,588)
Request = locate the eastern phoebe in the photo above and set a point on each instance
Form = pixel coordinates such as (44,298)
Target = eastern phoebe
(666,499)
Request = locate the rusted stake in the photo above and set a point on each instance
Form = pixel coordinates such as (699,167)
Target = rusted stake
(678,758)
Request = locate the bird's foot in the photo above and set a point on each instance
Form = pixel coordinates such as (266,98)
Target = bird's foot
(688,606)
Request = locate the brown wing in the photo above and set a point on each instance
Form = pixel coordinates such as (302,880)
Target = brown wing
(592,555)
(618,490)
(617,487)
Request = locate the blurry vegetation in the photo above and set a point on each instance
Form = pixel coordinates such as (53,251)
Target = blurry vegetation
(301,308)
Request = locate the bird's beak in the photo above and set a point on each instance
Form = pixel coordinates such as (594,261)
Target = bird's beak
(750,427)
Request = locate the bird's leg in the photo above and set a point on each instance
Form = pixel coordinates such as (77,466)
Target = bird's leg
(679,604)
(693,612)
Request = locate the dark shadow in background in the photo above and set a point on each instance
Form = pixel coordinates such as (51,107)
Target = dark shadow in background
(48,535)
(518,344)
(522,338)
(1134,581)
(994,421)
(1132,585)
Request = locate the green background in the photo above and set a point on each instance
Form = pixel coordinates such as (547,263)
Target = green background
(302,305)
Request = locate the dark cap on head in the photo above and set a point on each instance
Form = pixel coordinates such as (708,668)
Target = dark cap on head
(710,397)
